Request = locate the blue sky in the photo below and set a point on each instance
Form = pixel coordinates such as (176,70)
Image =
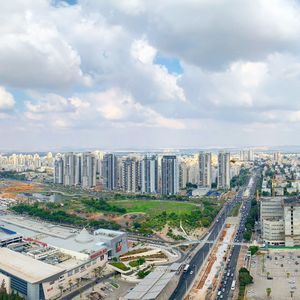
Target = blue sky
(186,74)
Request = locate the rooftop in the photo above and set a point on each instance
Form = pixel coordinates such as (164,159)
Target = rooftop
(27,268)
(59,236)
(292,201)
(151,286)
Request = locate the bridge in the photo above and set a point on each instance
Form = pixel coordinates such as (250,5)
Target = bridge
(191,242)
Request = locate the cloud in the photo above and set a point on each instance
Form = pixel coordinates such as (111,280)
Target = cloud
(7,101)
(113,106)
(93,67)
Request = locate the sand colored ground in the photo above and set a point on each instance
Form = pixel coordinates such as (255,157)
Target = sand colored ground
(11,188)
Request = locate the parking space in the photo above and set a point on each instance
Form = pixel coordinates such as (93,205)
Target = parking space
(276,273)
(110,289)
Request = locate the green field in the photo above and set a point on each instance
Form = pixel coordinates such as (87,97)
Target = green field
(154,207)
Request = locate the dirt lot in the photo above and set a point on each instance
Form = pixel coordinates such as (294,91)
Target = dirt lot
(11,188)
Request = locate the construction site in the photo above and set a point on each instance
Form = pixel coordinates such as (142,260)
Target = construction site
(206,283)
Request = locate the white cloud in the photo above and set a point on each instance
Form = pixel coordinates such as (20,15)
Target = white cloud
(91,67)
(7,101)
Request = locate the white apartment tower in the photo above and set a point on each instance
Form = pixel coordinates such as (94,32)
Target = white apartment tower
(224,170)
(88,170)
(205,169)
(69,168)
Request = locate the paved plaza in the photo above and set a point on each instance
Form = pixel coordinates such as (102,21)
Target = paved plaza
(277,270)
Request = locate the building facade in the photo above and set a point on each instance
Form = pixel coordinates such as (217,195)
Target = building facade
(205,169)
(149,175)
(110,172)
(169,175)
(224,170)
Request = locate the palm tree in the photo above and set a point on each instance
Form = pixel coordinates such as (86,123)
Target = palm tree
(268,274)
(268,290)
(288,275)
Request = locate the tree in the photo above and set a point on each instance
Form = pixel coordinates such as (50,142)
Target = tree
(292,294)
(61,289)
(3,287)
(78,281)
(245,277)
(70,283)
(268,290)
(288,275)
(253,249)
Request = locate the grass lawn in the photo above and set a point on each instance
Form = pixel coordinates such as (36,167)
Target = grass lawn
(153,207)
(135,263)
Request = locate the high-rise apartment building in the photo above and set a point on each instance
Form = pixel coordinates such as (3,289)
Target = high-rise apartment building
(205,169)
(183,174)
(169,175)
(130,175)
(59,171)
(277,157)
(75,169)
(224,170)
(110,172)
(88,168)
(69,168)
(247,155)
(149,175)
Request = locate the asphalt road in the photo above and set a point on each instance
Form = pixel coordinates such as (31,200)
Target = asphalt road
(230,271)
(197,260)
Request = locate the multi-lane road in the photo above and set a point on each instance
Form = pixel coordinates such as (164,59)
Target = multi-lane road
(197,260)
(225,291)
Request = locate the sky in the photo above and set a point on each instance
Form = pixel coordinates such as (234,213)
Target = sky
(141,74)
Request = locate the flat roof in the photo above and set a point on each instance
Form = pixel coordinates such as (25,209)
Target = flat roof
(26,267)
(292,201)
(38,230)
(150,287)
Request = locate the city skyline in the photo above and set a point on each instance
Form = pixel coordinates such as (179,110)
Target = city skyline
(112,74)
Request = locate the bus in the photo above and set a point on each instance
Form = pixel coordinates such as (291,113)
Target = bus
(186,268)
(233,285)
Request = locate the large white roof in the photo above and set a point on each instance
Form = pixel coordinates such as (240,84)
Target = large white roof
(25,267)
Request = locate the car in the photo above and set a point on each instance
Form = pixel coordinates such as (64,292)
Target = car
(191,273)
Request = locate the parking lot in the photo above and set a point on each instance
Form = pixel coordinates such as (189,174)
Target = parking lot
(110,289)
(277,271)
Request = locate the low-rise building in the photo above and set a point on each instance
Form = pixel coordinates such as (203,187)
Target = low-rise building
(273,231)
(280,220)
(48,259)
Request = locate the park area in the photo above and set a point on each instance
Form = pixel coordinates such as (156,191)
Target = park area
(143,214)
(154,207)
